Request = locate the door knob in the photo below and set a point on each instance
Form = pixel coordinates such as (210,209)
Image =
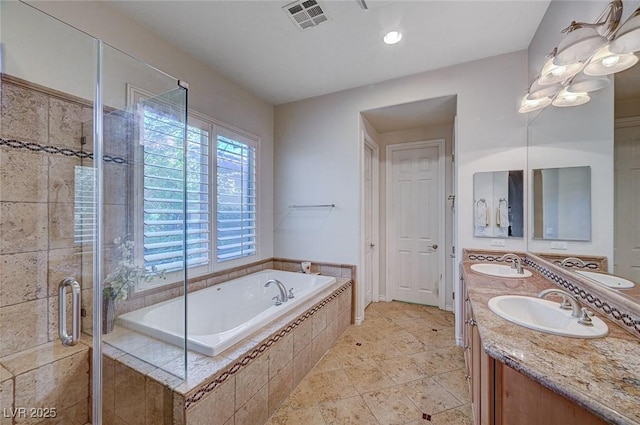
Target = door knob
(434,246)
(372,245)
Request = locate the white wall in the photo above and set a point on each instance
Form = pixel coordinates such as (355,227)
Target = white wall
(317,151)
(209,92)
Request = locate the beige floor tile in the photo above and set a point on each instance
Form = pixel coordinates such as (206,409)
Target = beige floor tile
(429,396)
(331,385)
(401,369)
(456,383)
(440,360)
(348,411)
(460,416)
(368,378)
(309,416)
(391,407)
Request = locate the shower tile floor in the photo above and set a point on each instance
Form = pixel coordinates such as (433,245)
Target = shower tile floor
(401,366)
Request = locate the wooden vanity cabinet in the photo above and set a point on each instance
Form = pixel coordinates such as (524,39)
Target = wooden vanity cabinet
(480,368)
(500,395)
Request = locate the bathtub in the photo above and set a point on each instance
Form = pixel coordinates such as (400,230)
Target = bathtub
(221,315)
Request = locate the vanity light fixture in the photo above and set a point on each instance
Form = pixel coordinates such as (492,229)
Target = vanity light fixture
(566,98)
(584,39)
(530,105)
(605,62)
(586,84)
(552,73)
(627,39)
(392,37)
(584,58)
(539,91)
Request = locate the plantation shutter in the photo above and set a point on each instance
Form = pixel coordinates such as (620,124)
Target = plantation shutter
(163,186)
(236,196)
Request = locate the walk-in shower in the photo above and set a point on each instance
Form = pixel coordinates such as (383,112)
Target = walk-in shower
(93,183)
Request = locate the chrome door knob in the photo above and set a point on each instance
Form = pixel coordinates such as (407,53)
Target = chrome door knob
(434,246)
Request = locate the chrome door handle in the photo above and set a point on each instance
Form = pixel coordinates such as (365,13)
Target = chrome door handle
(434,246)
(372,245)
(75,311)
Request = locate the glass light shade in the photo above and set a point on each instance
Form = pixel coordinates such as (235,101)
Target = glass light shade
(604,62)
(530,105)
(627,39)
(565,99)
(537,91)
(578,45)
(553,74)
(586,84)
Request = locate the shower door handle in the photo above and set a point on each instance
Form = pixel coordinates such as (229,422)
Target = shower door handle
(67,339)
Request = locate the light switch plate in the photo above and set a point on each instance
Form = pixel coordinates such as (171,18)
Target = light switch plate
(559,245)
(497,242)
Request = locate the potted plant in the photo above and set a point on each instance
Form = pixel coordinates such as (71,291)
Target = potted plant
(125,275)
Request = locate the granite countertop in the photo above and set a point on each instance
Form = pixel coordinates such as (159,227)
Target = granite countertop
(602,375)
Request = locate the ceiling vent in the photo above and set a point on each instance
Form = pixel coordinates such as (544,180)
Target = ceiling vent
(306,13)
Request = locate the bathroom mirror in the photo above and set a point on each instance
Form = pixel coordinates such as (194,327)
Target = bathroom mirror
(562,203)
(604,134)
(498,204)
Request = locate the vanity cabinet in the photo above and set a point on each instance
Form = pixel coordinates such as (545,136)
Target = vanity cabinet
(500,395)
(480,368)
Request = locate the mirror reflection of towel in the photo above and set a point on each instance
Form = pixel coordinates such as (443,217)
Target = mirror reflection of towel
(482,214)
(502,216)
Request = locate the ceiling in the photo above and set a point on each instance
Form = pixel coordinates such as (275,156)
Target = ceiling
(424,113)
(256,44)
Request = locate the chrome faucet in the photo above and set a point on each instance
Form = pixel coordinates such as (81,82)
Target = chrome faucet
(575,260)
(283,290)
(516,262)
(569,302)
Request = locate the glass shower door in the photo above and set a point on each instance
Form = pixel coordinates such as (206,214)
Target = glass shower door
(142,261)
(47,92)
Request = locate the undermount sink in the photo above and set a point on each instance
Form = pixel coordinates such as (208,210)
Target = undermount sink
(544,316)
(608,280)
(499,270)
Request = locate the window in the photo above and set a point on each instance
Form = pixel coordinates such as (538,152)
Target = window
(236,203)
(224,171)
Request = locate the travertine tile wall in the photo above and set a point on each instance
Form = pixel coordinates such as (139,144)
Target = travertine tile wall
(37,251)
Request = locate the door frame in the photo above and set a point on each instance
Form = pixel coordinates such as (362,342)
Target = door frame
(367,141)
(440,144)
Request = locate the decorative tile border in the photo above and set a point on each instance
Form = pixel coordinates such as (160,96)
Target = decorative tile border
(570,264)
(237,366)
(36,147)
(613,312)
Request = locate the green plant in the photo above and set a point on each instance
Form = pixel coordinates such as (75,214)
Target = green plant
(127,273)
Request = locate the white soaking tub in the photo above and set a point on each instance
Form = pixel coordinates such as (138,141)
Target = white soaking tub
(221,315)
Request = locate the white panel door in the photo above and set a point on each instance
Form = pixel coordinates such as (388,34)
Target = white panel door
(627,202)
(415,225)
(368,225)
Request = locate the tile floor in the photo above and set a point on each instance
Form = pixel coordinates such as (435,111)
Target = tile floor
(400,364)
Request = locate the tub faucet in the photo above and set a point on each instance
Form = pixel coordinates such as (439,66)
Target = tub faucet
(283,290)
(516,262)
(569,302)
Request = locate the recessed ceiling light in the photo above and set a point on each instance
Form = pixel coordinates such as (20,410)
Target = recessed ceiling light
(392,37)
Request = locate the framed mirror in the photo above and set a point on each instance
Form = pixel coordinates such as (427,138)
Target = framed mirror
(498,209)
(562,203)
(603,134)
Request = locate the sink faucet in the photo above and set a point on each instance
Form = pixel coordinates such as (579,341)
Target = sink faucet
(516,262)
(568,301)
(283,290)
